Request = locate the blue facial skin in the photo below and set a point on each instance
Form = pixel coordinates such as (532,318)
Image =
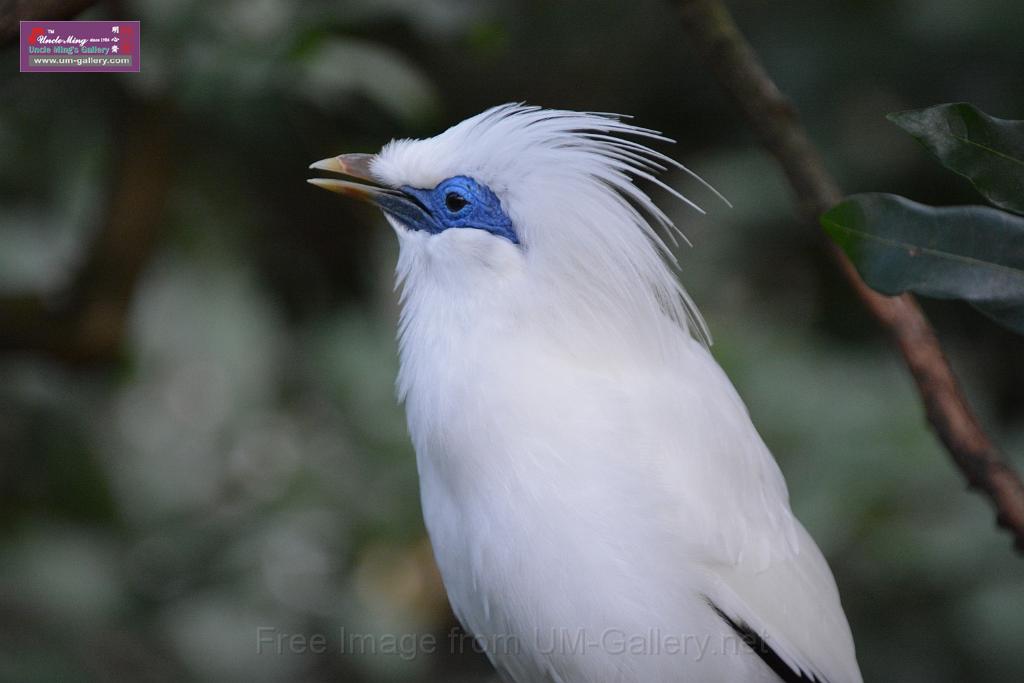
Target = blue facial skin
(458,202)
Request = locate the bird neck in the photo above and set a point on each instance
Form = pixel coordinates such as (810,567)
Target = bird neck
(446,330)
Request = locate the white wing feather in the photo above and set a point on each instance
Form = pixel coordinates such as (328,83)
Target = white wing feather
(769,574)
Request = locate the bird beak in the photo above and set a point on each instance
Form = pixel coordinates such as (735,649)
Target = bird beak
(354,165)
(404,206)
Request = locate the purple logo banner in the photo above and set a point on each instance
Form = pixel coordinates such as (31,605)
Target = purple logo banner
(80,46)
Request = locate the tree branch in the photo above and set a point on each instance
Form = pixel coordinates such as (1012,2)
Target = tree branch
(13,11)
(775,121)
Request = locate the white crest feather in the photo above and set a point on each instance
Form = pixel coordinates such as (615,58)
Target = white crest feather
(567,180)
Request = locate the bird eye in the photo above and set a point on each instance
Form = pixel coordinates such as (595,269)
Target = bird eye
(455,201)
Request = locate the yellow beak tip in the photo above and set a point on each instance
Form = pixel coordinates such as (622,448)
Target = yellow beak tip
(331,164)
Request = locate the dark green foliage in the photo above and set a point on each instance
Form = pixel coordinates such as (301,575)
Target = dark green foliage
(973,253)
(987,151)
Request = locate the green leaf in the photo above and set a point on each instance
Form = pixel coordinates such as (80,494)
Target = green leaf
(987,151)
(974,253)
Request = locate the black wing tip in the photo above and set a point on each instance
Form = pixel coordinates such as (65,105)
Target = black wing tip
(763,650)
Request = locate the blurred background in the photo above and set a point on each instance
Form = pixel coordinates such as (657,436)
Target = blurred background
(200,448)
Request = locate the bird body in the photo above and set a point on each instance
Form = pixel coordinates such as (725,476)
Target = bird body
(600,505)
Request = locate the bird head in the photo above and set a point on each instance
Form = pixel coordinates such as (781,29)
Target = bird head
(522,206)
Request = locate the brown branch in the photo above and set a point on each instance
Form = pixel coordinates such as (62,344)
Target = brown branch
(13,11)
(774,120)
(85,321)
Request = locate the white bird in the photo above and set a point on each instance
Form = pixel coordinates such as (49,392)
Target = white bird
(600,505)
